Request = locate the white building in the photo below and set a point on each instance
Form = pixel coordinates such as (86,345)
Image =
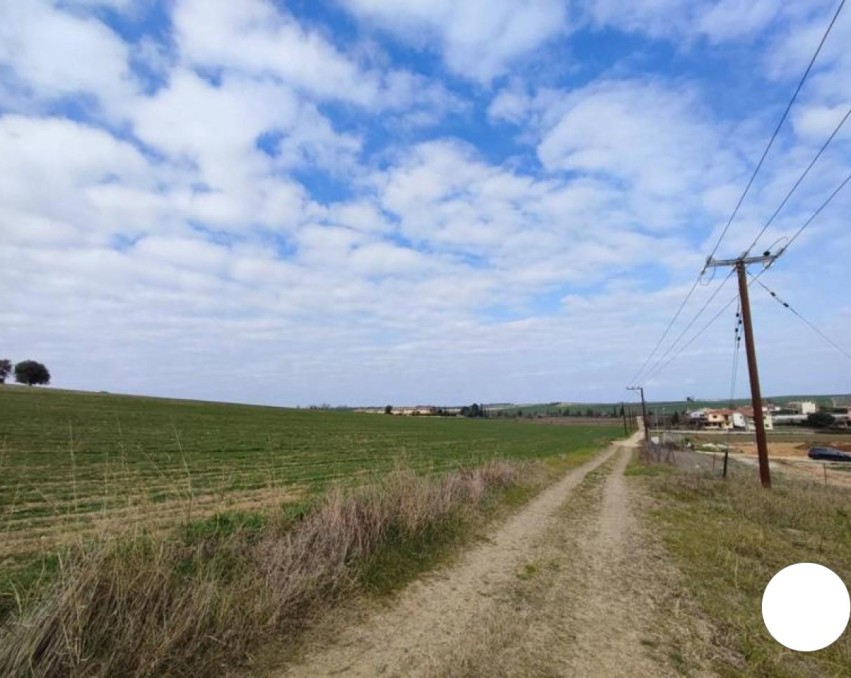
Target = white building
(802,406)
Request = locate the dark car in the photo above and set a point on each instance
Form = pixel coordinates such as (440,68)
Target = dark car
(828,454)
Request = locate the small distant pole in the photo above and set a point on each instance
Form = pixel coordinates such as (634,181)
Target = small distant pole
(640,389)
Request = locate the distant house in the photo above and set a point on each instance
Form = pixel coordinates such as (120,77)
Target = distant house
(740,419)
(717,419)
(802,406)
(747,414)
(711,419)
(418,410)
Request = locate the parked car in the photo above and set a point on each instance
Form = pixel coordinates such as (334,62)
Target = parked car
(828,454)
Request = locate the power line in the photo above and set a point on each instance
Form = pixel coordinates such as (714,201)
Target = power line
(744,194)
(692,340)
(665,333)
(807,322)
(661,368)
(814,215)
(694,319)
(776,131)
(798,182)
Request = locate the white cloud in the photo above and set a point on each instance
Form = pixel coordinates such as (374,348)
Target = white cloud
(54,53)
(736,19)
(657,18)
(255,38)
(792,47)
(55,170)
(510,105)
(186,253)
(718,21)
(122,5)
(636,131)
(655,142)
(508,226)
(477,39)
(817,123)
(218,130)
(443,269)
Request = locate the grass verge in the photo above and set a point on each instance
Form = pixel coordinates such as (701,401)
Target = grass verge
(729,538)
(204,597)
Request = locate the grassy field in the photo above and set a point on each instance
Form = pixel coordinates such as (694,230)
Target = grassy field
(368,501)
(729,538)
(74,463)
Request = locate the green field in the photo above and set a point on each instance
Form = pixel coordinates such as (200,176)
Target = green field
(74,463)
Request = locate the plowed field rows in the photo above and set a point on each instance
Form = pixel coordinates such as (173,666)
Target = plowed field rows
(76,464)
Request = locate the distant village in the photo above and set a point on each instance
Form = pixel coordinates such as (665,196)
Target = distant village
(742,418)
(792,413)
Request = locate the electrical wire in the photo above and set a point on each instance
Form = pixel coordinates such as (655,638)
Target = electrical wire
(798,182)
(694,319)
(807,322)
(634,379)
(776,132)
(704,328)
(742,198)
(660,366)
(812,218)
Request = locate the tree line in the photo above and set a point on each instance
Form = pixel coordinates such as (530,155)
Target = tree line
(29,372)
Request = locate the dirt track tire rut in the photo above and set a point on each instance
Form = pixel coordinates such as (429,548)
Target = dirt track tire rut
(569,586)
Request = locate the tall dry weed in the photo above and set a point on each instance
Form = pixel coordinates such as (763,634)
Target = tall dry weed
(158,605)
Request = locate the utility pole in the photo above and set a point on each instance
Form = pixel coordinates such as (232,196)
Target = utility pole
(740,265)
(623,412)
(640,389)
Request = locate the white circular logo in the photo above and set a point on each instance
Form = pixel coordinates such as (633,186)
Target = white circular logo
(806,607)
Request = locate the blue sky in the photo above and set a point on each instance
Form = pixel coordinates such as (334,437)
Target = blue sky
(366,201)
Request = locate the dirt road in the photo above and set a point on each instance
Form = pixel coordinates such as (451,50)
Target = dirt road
(571,585)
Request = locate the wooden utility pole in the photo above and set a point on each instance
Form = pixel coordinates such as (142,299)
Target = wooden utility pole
(640,389)
(740,265)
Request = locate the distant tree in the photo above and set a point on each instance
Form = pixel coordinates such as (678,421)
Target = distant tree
(589,412)
(820,419)
(475,410)
(388,409)
(5,369)
(675,417)
(31,373)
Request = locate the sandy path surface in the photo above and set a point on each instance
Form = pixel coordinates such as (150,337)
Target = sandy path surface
(568,586)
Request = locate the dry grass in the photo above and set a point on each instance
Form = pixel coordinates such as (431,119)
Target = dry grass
(729,538)
(195,602)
